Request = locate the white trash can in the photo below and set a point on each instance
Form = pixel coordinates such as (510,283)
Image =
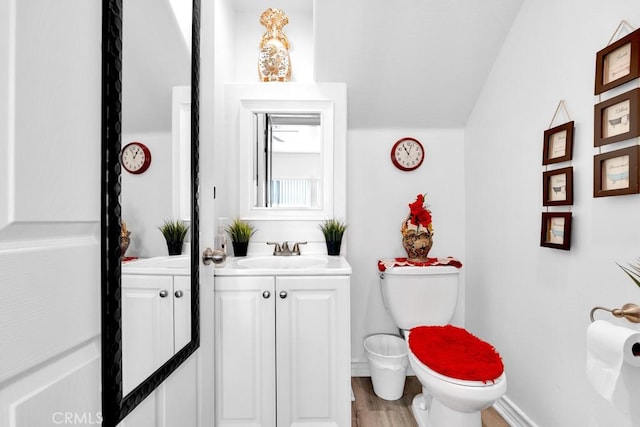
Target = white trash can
(387,356)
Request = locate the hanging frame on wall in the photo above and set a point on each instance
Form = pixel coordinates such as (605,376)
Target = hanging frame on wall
(557,187)
(558,144)
(619,62)
(617,119)
(556,230)
(616,173)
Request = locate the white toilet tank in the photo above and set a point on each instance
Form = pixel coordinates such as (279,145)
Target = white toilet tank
(416,296)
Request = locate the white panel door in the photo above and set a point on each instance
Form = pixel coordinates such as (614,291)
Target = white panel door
(50,108)
(313,351)
(245,353)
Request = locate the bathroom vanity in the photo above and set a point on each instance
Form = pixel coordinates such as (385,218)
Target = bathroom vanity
(282,341)
(156,308)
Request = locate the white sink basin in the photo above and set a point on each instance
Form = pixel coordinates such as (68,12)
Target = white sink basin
(288,262)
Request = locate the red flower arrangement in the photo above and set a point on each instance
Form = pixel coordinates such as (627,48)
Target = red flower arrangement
(420,215)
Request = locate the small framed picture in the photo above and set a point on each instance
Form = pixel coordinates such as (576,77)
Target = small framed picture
(556,230)
(558,144)
(616,119)
(616,173)
(618,63)
(557,187)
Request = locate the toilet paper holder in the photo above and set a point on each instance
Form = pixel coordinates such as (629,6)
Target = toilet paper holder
(629,311)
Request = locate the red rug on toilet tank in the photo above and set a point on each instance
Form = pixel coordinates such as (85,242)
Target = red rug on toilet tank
(455,353)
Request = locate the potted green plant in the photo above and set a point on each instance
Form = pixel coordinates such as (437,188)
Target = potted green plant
(333,231)
(174,232)
(240,233)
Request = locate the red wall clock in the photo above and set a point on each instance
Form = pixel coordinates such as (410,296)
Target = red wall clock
(407,154)
(135,157)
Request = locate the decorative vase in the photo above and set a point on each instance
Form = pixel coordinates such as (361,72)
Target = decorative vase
(240,248)
(124,243)
(273,61)
(417,242)
(174,248)
(333,247)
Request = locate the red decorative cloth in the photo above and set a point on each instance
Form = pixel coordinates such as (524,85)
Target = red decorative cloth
(129,258)
(383,264)
(455,353)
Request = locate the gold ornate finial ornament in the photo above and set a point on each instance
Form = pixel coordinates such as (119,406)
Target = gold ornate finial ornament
(274,64)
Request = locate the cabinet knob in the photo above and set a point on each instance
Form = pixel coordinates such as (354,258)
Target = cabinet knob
(266,294)
(163,293)
(283,294)
(179,294)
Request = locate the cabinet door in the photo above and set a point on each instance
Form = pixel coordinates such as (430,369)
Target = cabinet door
(181,311)
(313,348)
(147,326)
(245,351)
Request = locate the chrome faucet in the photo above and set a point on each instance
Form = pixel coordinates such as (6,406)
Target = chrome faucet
(283,250)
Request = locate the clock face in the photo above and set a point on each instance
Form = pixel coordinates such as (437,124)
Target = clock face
(135,157)
(407,154)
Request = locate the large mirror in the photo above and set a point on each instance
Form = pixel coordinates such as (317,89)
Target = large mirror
(150,97)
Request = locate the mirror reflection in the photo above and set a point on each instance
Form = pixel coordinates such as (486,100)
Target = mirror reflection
(156,287)
(287,162)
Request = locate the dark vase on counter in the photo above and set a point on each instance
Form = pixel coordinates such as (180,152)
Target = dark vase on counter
(240,248)
(333,247)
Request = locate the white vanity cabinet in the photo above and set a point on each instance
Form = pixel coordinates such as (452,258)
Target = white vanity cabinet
(282,351)
(156,324)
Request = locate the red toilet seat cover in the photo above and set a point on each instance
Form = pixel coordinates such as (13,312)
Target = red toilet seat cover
(455,353)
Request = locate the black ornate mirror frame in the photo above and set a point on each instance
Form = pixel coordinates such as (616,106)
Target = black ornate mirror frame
(115,406)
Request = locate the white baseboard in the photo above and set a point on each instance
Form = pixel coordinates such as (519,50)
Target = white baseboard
(504,406)
(360,369)
(512,414)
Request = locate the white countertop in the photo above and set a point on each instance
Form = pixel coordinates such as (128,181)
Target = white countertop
(326,266)
(177,265)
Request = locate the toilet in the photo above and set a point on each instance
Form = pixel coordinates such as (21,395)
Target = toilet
(460,374)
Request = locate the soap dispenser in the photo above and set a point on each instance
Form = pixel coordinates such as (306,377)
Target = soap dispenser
(221,241)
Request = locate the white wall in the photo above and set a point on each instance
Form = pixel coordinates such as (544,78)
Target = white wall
(146,198)
(531,302)
(378,196)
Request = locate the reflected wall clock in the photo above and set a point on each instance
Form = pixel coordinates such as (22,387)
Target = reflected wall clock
(407,154)
(135,157)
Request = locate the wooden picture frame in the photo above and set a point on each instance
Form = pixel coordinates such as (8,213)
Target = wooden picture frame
(616,173)
(556,230)
(557,187)
(616,119)
(618,63)
(558,144)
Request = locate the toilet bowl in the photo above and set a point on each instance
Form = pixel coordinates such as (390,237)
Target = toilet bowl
(447,400)
(456,387)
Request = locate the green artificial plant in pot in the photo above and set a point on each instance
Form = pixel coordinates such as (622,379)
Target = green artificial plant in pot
(174,232)
(240,233)
(333,231)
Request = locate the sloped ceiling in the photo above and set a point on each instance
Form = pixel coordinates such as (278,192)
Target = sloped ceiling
(410,63)
(407,63)
(155,58)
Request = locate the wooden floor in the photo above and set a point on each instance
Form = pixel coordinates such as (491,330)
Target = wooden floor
(369,410)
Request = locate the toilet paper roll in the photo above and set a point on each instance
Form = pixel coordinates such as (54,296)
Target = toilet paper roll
(608,346)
